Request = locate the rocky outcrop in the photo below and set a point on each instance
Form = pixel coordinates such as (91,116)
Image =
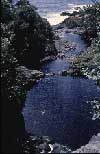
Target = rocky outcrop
(13,98)
(42,144)
(92,147)
(29,74)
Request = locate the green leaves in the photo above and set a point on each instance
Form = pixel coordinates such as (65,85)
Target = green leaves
(26,39)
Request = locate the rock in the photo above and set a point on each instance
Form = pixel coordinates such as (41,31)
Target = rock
(33,138)
(47,59)
(29,74)
(92,147)
(65,14)
(50,74)
(47,139)
(35,144)
(44,147)
(57,148)
(64,73)
(72,72)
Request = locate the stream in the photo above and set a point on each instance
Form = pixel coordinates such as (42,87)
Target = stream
(57,106)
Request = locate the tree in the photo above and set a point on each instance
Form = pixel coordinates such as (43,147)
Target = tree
(94,1)
(22,3)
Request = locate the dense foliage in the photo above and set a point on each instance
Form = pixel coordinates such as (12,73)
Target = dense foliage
(89,62)
(88,19)
(26,39)
(87,23)
(33,33)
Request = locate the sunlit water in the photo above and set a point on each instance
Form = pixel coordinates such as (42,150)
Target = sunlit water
(57,106)
(51,9)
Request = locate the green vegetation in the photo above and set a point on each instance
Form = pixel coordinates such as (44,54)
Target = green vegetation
(95,109)
(26,39)
(69,14)
(88,63)
(90,60)
(34,35)
(88,20)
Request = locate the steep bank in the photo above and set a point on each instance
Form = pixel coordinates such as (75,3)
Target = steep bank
(68,96)
(26,39)
(87,20)
(16,80)
(87,64)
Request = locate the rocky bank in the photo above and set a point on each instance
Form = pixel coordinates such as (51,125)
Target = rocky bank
(92,147)
(24,46)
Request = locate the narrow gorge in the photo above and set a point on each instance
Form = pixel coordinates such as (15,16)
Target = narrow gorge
(50,78)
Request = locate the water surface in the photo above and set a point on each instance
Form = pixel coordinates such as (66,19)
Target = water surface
(57,106)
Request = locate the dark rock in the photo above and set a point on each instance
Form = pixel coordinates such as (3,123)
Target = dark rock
(73,72)
(65,14)
(44,147)
(57,148)
(69,14)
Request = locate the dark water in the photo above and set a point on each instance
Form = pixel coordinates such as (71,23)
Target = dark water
(57,106)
